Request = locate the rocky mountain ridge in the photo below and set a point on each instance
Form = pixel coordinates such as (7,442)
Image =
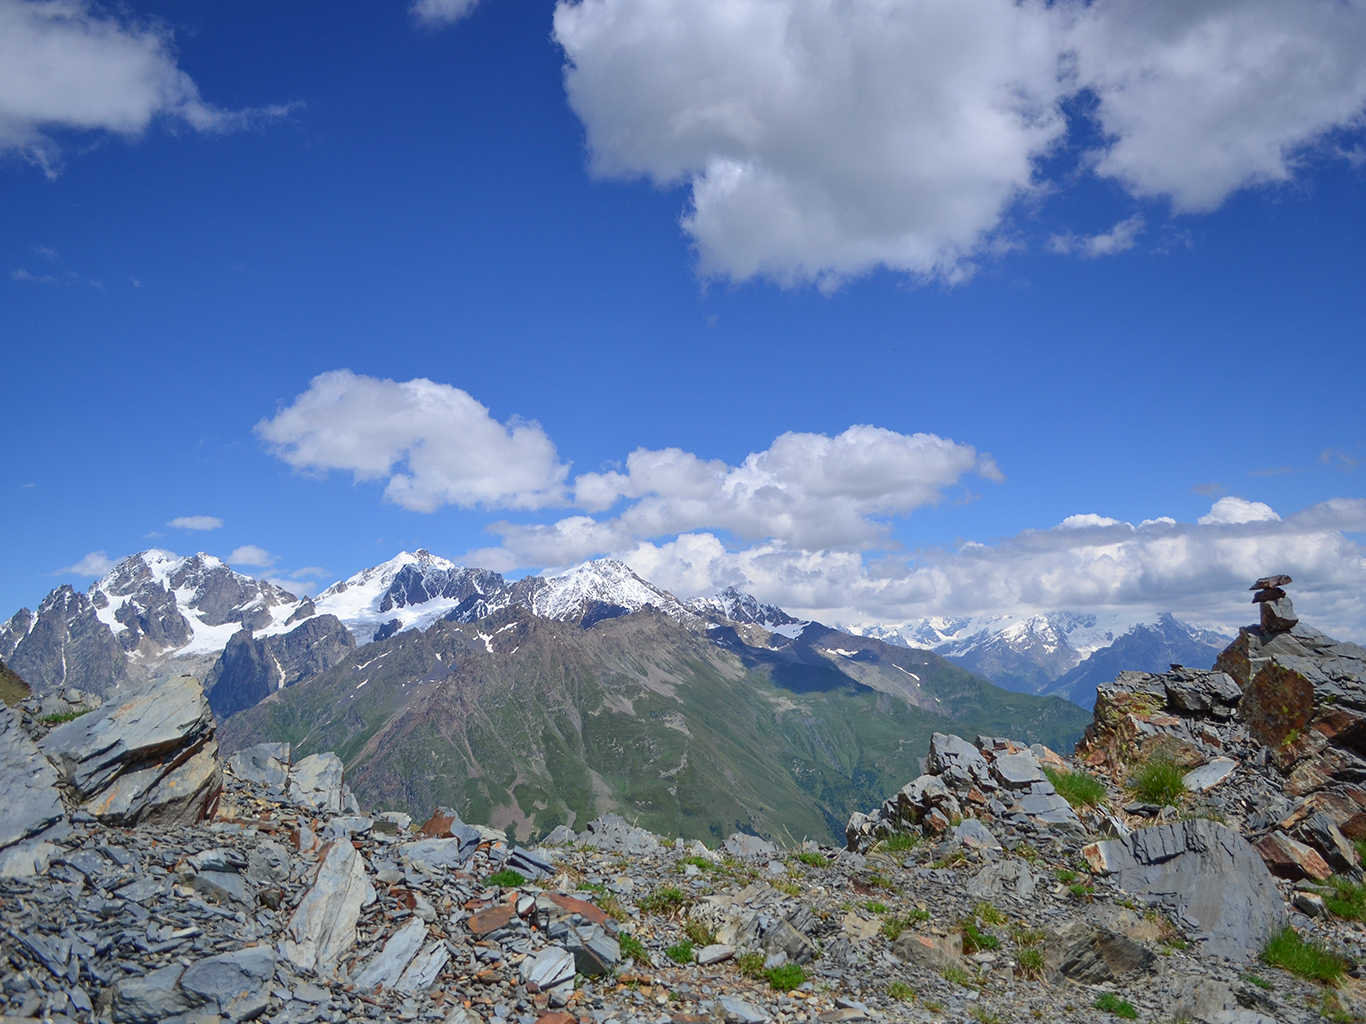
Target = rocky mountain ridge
(1064,654)
(990,887)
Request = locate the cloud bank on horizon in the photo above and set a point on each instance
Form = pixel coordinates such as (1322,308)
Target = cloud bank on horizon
(807,523)
(820,140)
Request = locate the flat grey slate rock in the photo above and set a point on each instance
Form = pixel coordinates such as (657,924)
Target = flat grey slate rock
(738,1011)
(28,781)
(1206,875)
(151,719)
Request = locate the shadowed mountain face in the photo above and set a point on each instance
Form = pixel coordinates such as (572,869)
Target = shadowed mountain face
(1153,647)
(692,729)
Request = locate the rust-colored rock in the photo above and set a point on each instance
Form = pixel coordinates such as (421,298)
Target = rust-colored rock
(1341,727)
(557,1017)
(1291,859)
(1317,772)
(439,824)
(570,905)
(1236,660)
(1354,827)
(1338,808)
(489,921)
(1278,704)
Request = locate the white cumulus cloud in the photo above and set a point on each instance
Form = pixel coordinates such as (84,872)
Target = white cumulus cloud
(805,491)
(66,64)
(822,138)
(1199,100)
(433,443)
(250,554)
(196,523)
(97,563)
(1233,509)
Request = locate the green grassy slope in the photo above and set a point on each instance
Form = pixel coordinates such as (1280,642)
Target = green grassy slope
(524,721)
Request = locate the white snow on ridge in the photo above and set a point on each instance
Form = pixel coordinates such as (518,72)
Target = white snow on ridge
(606,580)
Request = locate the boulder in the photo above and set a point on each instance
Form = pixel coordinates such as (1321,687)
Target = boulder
(1091,955)
(150,999)
(233,984)
(266,764)
(323,926)
(388,965)
(29,782)
(424,969)
(933,951)
(1206,875)
(1003,878)
(1277,704)
(1289,858)
(150,757)
(748,847)
(316,783)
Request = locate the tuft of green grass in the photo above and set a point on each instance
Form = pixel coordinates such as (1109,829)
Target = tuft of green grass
(1260,982)
(1348,899)
(975,940)
(1160,781)
(1078,788)
(957,975)
(1082,890)
(699,933)
(1111,1003)
(787,977)
(899,842)
(611,906)
(632,947)
(1308,960)
(665,900)
(590,887)
(750,965)
(506,879)
(1066,875)
(988,914)
(791,888)
(697,862)
(680,952)
(1025,937)
(900,990)
(984,1016)
(65,716)
(812,860)
(1030,961)
(874,907)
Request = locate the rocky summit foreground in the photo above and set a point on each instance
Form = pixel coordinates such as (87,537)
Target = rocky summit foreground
(1203,829)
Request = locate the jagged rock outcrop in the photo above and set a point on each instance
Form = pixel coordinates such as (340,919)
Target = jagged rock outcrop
(994,781)
(149,757)
(1275,733)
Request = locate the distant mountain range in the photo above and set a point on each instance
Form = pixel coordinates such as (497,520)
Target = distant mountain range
(537,701)
(1063,654)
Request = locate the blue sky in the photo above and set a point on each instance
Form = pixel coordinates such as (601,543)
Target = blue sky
(1132,325)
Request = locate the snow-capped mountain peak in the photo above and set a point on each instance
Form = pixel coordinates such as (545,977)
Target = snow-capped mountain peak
(412,590)
(595,587)
(738,606)
(155,600)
